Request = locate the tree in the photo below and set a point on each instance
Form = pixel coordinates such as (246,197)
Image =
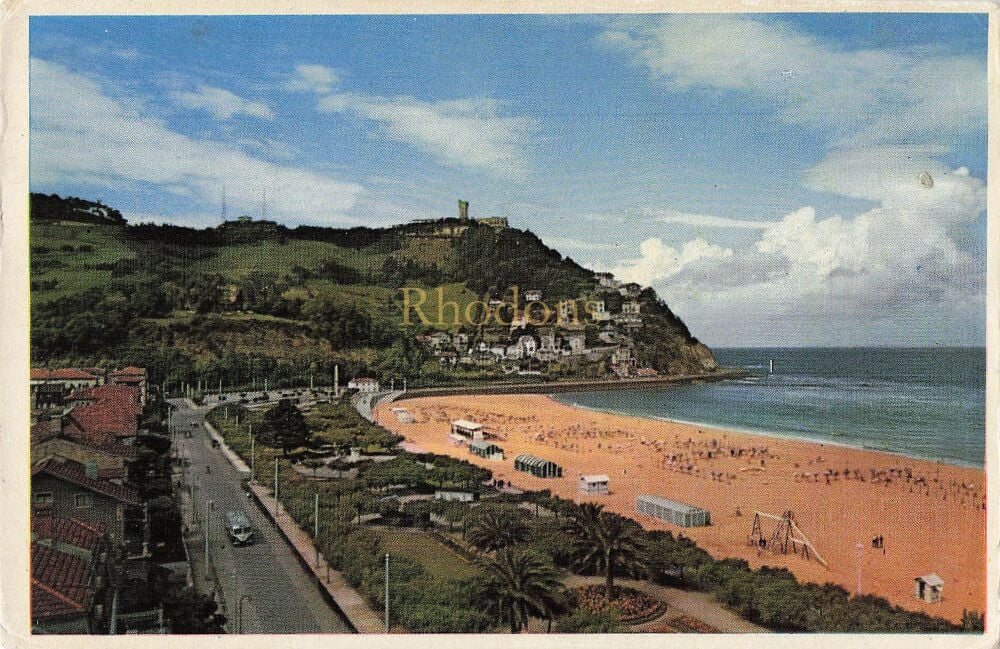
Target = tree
(517,584)
(606,542)
(496,528)
(191,611)
(285,426)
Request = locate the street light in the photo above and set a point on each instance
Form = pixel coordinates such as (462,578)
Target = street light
(239,612)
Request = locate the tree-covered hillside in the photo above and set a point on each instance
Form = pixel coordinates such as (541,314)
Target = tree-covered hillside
(253,299)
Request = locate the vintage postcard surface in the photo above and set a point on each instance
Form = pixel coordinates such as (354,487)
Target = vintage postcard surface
(425,319)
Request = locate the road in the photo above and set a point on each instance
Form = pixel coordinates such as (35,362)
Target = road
(283,598)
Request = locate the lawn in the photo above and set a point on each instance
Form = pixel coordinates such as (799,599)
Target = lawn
(278,258)
(436,558)
(76,270)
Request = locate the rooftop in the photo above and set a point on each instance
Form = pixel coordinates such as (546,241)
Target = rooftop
(75,473)
(671,504)
(60,583)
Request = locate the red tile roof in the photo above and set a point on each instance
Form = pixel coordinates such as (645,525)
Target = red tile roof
(131,370)
(71,531)
(65,373)
(45,430)
(60,584)
(111,409)
(75,473)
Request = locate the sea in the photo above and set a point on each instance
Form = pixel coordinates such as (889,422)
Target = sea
(920,402)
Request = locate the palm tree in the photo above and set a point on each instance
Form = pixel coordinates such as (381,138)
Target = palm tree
(495,528)
(519,583)
(607,542)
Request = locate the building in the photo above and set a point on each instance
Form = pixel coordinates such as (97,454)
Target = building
(68,489)
(527,346)
(631,308)
(672,511)
(928,587)
(538,467)
(132,376)
(455,496)
(62,593)
(533,295)
(630,290)
(105,409)
(576,344)
(486,450)
(467,429)
(71,574)
(594,484)
(363,384)
(49,387)
(598,311)
(568,312)
(50,439)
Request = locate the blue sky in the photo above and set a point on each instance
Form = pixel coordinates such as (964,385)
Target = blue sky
(767,174)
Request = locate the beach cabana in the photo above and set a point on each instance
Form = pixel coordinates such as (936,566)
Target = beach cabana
(594,484)
(538,467)
(467,429)
(672,511)
(486,450)
(928,587)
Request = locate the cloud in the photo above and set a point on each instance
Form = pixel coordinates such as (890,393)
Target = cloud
(857,96)
(469,133)
(900,257)
(659,261)
(319,79)
(704,220)
(221,103)
(81,135)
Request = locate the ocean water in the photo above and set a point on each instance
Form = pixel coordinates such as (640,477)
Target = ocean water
(927,402)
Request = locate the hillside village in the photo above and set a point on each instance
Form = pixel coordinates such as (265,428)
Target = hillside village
(542,336)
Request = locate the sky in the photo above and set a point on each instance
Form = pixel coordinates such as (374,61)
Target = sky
(779,179)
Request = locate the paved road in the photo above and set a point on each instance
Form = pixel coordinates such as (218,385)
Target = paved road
(284,597)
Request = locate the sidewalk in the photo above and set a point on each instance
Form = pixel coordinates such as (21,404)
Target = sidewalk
(359,615)
(362,617)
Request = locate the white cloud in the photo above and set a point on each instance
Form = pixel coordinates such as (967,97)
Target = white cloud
(468,133)
(704,220)
(221,103)
(858,96)
(659,261)
(319,79)
(79,134)
(900,260)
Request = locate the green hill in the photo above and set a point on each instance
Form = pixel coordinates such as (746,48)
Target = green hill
(252,299)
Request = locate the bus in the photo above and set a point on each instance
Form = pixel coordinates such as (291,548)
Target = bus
(238,527)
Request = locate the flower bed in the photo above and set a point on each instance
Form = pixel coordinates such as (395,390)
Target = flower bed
(633,606)
(688,624)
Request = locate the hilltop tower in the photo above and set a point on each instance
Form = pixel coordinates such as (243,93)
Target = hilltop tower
(463,211)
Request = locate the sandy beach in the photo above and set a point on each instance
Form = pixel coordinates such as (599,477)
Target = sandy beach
(931,516)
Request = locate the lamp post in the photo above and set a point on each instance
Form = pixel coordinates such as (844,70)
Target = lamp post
(208,533)
(387,593)
(275,488)
(316,527)
(239,613)
(860,549)
(253,459)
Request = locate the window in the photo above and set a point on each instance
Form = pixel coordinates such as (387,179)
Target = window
(83,500)
(44,498)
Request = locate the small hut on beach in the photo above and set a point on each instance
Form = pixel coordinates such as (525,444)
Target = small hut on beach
(594,484)
(672,511)
(538,467)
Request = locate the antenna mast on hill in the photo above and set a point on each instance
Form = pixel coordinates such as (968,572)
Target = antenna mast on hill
(263,204)
(223,202)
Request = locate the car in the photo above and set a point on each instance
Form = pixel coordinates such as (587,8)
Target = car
(238,528)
